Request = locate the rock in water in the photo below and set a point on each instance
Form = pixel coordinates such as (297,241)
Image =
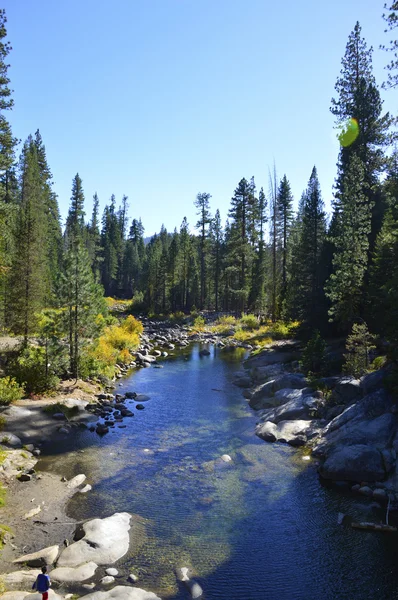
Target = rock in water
(104,542)
(76,481)
(122,592)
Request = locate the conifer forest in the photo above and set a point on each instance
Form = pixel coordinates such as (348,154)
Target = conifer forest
(325,271)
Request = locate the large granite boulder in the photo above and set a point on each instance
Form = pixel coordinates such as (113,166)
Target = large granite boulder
(262,374)
(357,462)
(301,406)
(371,382)
(104,541)
(74,574)
(295,433)
(280,397)
(347,390)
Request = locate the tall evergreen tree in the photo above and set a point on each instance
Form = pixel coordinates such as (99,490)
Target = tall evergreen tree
(285,217)
(345,286)
(307,293)
(216,239)
(275,246)
(202,204)
(80,295)
(391,18)
(29,277)
(259,283)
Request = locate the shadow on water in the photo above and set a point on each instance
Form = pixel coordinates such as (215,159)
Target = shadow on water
(259,527)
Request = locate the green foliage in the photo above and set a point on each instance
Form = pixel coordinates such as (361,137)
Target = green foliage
(3,494)
(313,357)
(378,363)
(199,323)
(10,391)
(358,345)
(249,322)
(29,369)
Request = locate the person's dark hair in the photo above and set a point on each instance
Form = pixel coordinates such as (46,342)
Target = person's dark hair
(44,569)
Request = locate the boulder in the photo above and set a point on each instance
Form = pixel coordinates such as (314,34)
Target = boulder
(378,432)
(104,542)
(111,571)
(258,401)
(371,382)
(9,439)
(74,574)
(262,374)
(47,556)
(299,407)
(107,580)
(122,592)
(242,379)
(24,579)
(358,462)
(31,596)
(76,481)
(204,352)
(347,390)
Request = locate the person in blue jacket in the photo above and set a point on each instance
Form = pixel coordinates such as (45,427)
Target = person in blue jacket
(42,583)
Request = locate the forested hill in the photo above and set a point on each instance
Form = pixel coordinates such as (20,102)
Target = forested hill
(326,272)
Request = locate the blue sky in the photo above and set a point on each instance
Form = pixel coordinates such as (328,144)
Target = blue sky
(162,99)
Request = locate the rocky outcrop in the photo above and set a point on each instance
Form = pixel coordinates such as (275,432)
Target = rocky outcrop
(357,462)
(103,541)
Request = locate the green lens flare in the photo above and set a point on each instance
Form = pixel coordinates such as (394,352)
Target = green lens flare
(348,133)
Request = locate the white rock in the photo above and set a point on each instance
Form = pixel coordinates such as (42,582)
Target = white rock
(133,578)
(122,592)
(22,578)
(13,596)
(32,513)
(104,542)
(196,590)
(85,489)
(108,579)
(72,574)
(76,481)
(10,439)
(68,596)
(17,595)
(47,556)
(88,586)
(182,574)
(226,458)
(38,596)
(111,571)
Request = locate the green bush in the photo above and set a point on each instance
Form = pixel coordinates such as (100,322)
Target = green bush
(358,345)
(10,390)
(313,357)
(199,323)
(249,322)
(226,320)
(29,369)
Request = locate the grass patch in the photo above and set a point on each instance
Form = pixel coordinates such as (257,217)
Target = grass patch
(3,422)
(3,494)
(4,529)
(58,407)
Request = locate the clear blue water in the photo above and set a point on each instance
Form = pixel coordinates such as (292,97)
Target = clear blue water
(261,527)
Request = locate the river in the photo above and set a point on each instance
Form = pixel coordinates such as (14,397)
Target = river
(260,527)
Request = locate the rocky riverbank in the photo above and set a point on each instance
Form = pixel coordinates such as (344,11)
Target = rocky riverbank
(349,426)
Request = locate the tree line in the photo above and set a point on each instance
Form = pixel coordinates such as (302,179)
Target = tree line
(266,258)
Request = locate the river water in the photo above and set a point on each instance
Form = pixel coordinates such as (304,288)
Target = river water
(260,527)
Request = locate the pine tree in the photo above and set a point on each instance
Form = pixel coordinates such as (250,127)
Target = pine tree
(345,286)
(184,249)
(29,276)
(7,141)
(285,217)
(54,233)
(80,295)
(259,283)
(93,240)
(308,294)
(216,240)
(202,203)
(391,19)
(239,251)
(275,249)
(358,98)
